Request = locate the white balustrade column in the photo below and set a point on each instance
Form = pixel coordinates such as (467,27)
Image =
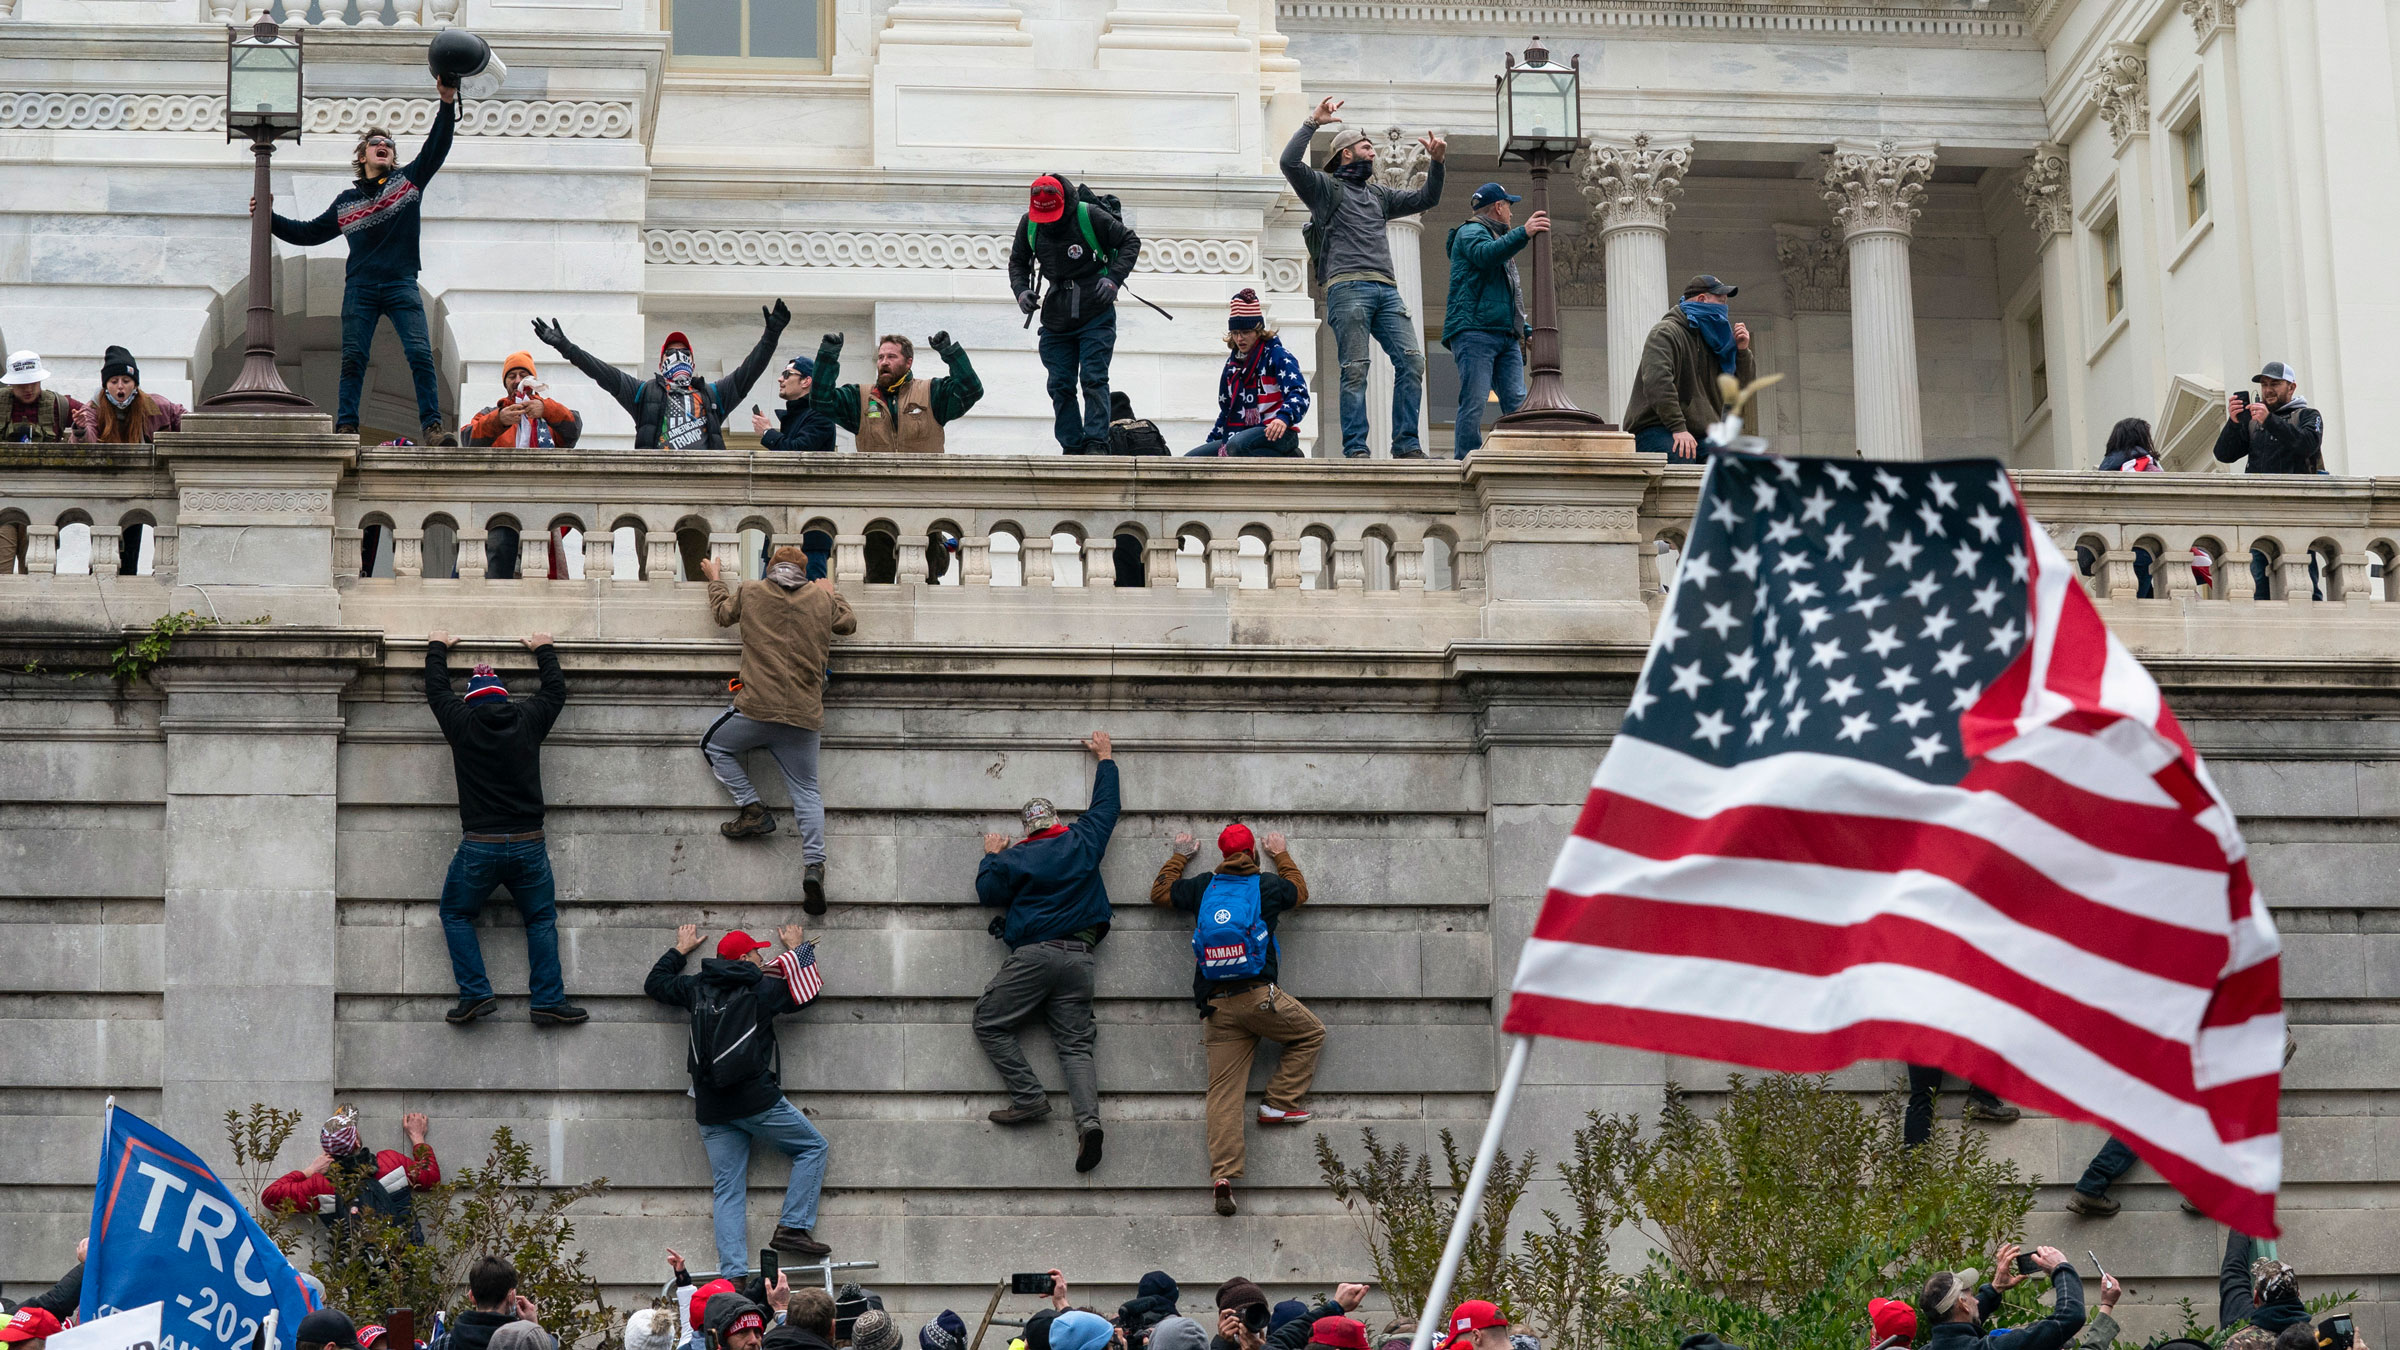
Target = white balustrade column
(1401,165)
(1632,186)
(1876,193)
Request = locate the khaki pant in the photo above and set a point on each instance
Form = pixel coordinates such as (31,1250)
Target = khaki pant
(1235,1026)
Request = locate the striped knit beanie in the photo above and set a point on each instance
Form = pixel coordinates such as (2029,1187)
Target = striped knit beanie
(1246,313)
(485,683)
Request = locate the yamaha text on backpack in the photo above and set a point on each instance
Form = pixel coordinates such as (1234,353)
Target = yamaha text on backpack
(1231,941)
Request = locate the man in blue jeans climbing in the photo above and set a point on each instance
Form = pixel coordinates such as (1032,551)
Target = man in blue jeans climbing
(1483,321)
(737,1079)
(496,755)
(380,216)
(1346,215)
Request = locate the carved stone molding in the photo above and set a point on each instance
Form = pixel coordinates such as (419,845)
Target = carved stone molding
(111,112)
(1581,275)
(1284,275)
(1400,162)
(1877,188)
(918,252)
(1847,21)
(2119,88)
(1563,517)
(256,501)
(1816,268)
(2209,18)
(1633,182)
(2046,190)
(39,111)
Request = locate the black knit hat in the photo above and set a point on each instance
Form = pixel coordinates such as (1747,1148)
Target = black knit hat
(119,361)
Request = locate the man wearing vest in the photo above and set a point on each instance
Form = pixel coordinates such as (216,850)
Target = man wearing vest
(899,412)
(737,1078)
(1236,960)
(35,413)
(675,409)
(1084,253)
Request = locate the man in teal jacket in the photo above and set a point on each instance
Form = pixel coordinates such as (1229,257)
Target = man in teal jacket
(1483,323)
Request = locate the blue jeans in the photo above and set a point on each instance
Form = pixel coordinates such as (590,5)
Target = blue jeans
(1079,361)
(365,302)
(525,869)
(729,1165)
(1251,443)
(2258,575)
(2112,1161)
(1359,310)
(1487,363)
(1656,441)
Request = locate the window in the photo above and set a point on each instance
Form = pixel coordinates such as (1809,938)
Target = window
(2112,270)
(2193,152)
(744,29)
(2037,360)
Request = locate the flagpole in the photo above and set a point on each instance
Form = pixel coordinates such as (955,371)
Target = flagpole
(1470,1203)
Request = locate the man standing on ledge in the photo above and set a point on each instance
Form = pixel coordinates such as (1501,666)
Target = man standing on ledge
(899,412)
(1085,253)
(496,754)
(380,216)
(1675,397)
(1054,912)
(1353,257)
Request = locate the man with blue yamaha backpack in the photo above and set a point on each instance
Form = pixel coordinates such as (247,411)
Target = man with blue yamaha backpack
(1235,961)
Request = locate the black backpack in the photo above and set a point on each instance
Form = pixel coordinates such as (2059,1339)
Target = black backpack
(731,1044)
(1137,436)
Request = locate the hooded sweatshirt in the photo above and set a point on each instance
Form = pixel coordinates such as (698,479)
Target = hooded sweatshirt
(496,745)
(777,989)
(1152,1302)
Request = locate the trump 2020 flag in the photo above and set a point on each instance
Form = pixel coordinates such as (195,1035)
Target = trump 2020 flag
(1887,789)
(165,1229)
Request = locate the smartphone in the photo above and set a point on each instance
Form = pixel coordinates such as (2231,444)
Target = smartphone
(770,1266)
(2335,1333)
(2096,1266)
(2026,1265)
(754,412)
(1036,1283)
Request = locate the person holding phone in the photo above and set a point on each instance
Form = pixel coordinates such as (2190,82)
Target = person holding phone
(2259,1295)
(492,1285)
(1957,1305)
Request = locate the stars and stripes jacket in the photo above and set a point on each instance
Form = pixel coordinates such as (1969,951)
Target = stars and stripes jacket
(380,219)
(1257,388)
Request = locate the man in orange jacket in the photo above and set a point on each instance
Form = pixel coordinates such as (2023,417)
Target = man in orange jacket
(527,417)
(349,1179)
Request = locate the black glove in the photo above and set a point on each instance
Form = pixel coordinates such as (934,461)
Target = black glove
(832,340)
(777,317)
(1026,302)
(1106,289)
(550,333)
(940,341)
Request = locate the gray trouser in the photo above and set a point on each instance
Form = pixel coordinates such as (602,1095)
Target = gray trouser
(795,752)
(1054,980)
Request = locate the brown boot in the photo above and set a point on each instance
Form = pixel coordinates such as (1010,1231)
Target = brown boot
(797,1242)
(749,822)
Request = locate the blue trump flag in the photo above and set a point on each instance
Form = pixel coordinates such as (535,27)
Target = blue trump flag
(165,1228)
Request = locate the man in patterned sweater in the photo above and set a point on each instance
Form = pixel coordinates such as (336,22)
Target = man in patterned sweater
(1261,396)
(379,215)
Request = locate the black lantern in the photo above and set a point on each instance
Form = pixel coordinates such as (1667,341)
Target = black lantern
(1539,104)
(262,102)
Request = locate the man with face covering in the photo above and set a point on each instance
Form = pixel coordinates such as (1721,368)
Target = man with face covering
(675,409)
(1053,913)
(1675,395)
(348,1177)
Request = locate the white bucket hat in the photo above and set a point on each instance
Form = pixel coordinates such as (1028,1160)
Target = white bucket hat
(25,368)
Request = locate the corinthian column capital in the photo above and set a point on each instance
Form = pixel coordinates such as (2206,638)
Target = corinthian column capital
(2119,88)
(1401,161)
(2046,192)
(1879,188)
(2209,18)
(1633,182)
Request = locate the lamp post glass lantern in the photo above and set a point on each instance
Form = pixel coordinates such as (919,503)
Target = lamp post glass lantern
(262,103)
(1539,112)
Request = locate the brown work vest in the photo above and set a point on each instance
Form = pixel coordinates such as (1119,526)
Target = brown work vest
(904,424)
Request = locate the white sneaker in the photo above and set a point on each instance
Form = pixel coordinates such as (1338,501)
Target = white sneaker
(1268,1115)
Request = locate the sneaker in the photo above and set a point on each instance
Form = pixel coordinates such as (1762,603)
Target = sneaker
(1268,1115)
(560,1015)
(750,821)
(345,431)
(1408,454)
(1020,1115)
(1087,1150)
(1225,1205)
(1990,1110)
(812,889)
(2092,1206)
(797,1242)
(469,1009)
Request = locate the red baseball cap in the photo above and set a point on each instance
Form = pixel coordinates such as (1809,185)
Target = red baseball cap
(1473,1316)
(1892,1317)
(1049,199)
(30,1324)
(737,944)
(751,1319)
(1237,839)
(704,1293)
(1336,1331)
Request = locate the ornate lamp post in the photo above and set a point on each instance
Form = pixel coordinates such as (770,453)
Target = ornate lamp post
(1540,107)
(262,102)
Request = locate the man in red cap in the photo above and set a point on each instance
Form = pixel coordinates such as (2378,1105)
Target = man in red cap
(1083,253)
(27,1328)
(1233,947)
(737,1083)
(1895,1323)
(675,409)
(1476,1325)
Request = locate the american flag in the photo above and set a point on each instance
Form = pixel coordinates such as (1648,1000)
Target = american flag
(1887,789)
(798,967)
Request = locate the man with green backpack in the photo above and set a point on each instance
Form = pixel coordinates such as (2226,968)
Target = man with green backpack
(1072,254)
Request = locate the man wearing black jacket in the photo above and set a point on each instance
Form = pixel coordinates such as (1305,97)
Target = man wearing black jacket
(1957,1306)
(1083,253)
(738,994)
(675,409)
(496,755)
(797,425)
(2277,431)
(2256,1298)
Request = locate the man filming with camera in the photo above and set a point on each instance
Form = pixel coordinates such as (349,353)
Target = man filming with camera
(2277,431)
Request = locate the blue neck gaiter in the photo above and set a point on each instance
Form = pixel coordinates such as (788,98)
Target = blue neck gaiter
(1715,326)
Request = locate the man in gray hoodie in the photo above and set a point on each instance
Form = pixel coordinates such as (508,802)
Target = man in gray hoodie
(1346,215)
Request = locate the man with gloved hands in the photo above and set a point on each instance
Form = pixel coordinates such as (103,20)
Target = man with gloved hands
(675,409)
(1081,252)
(898,413)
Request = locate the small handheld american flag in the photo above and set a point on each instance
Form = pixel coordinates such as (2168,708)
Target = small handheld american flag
(798,967)
(1887,789)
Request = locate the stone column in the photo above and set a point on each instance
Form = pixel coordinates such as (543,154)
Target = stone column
(2119,90)
(2046,189)
(1401,165)
(1632,186)
(2228,163)
(1876,191)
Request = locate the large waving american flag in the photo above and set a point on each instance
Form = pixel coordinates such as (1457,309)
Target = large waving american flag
(1887,789)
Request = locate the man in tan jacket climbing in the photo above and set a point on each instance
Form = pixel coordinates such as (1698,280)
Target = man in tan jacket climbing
(788,626)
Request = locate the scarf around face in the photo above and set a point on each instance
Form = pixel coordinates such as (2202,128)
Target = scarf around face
(676,368)
(1715,327)
(1355,171)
